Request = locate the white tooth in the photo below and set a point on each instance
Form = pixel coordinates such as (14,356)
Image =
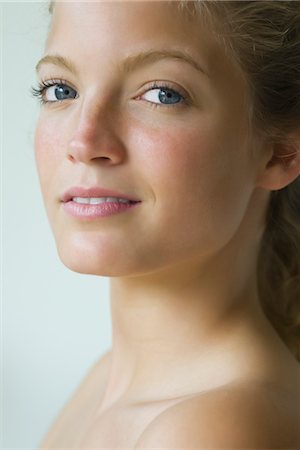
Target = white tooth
(97,201)
(119,200)
(81,200)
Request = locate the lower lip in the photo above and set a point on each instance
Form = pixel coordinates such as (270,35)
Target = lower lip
(91,212)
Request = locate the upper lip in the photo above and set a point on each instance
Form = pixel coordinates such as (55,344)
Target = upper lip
(93,192)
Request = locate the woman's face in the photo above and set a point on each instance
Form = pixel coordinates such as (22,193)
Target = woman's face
(183,151)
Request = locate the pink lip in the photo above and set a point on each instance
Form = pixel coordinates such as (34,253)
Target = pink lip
(93,192)
(89,212)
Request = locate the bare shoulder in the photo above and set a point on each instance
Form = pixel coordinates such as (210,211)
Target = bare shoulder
(78,404)
(244,416)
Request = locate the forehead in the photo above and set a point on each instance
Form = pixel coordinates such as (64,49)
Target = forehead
(122,27)
(98,38)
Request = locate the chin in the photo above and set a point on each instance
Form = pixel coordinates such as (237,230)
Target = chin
(93,257)
(90,266)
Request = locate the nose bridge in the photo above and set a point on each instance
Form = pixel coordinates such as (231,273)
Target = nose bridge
(95,131)
(97,106)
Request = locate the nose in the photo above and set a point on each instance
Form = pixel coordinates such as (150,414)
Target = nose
(96,139)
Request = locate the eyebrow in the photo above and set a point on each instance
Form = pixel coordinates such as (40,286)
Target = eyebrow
(56,60)
(151,56)
(131,62)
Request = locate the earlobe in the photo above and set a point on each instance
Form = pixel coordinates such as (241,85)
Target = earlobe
(282,168)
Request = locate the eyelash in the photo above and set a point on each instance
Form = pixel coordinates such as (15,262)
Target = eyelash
(45,84)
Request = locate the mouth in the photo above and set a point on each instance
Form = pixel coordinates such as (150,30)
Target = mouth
(94,203)
(100,200)
(92,208)
(95,196)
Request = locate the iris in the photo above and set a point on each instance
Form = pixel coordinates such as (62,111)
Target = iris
(62,92)
(166,95)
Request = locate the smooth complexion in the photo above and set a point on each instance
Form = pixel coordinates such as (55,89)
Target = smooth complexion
(185,312)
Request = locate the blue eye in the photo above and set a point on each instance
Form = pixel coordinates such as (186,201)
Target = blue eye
(53,91)
(164,95)
(60,92)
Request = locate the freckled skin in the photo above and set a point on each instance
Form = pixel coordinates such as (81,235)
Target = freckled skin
(190,166)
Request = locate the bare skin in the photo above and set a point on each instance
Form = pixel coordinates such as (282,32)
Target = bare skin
(85,423)
(185,311)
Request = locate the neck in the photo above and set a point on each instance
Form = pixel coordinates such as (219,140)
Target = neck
(168,324)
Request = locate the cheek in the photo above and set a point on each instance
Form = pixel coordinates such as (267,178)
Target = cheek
(181,160)
(47,144)
(49,141)
(166,155)
(199,182)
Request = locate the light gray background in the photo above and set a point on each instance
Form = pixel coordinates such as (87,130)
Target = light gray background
(55,323)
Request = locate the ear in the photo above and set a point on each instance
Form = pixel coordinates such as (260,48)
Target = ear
(283,166)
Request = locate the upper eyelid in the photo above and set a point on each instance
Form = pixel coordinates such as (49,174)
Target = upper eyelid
(53,81)
(164,84)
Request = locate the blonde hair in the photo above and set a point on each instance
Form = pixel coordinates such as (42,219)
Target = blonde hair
(263,37)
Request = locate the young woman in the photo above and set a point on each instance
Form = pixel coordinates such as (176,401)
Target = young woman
(168,151)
